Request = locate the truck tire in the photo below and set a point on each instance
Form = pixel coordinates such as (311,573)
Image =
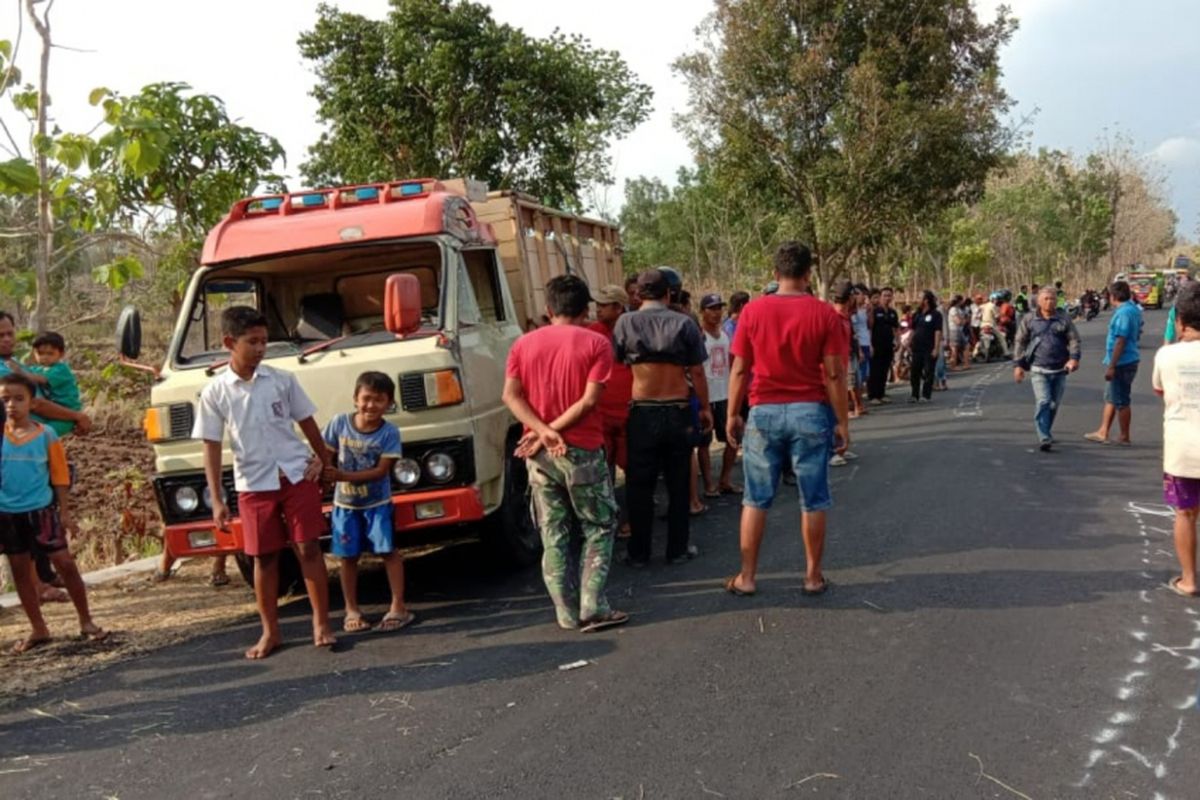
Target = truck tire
(290,578)
(509,531)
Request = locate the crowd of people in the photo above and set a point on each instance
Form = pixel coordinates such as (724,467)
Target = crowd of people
(645,386)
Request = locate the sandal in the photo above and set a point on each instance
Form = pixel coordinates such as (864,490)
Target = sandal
(161,575)
(1095,437)
(730,489)
(393,622)
(610,620)
(712,494)
(93,633)
(824,587)
(355,623)
(695,512)
(218,579)
(1173,585)
(28,643)
(731,587)
(50,594)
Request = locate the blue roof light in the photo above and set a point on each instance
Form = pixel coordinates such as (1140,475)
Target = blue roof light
(310,200)
(411,189)
(366,193)
(271,203)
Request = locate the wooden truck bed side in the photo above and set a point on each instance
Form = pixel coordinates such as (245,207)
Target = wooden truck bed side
(529,235)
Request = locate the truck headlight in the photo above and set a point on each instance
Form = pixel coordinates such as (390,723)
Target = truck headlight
(206,496)
(407,473)
(439,467)
(186,499)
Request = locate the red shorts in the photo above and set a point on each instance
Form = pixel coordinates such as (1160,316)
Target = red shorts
(615,450)
(272,520)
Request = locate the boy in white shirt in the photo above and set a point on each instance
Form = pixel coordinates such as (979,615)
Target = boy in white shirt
(716,372)
(1177,380)
(279,498)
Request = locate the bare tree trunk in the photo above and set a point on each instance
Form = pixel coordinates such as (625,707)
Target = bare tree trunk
(45,239)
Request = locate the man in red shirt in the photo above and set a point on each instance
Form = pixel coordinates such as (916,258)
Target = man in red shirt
(795,347)
(554,380)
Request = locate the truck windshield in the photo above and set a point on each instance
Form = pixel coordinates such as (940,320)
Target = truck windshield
(311,298)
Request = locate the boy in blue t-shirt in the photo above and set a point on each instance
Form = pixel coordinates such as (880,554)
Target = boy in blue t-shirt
(367,447)
(34,511)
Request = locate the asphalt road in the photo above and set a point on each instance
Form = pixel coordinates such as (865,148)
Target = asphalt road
(997,627)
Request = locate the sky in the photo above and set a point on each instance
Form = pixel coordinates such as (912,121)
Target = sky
(1084,69)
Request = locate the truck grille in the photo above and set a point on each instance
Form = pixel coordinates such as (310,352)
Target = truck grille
(182,418)
(412,392)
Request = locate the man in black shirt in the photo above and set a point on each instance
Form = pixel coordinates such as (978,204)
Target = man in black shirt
(926,344)
(666,352)
(883,345)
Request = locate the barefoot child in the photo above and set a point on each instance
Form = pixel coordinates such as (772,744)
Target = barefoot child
(366,446)
(1177,380)
(34,510)
(279,499)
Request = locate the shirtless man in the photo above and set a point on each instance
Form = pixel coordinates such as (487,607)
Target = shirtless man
(664,348)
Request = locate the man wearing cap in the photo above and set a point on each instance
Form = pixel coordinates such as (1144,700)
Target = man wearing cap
(614,403)
(664,349)
(716,372)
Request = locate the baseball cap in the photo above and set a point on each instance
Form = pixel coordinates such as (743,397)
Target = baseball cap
(711,301)
(611,294)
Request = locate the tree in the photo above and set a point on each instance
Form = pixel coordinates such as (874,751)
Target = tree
(853,119)
(440,88)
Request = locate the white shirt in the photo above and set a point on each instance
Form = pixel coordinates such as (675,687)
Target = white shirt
(1177,376)
(261,414)
(862,330)
(716,367)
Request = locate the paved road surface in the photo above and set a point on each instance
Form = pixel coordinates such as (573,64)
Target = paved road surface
(997,628)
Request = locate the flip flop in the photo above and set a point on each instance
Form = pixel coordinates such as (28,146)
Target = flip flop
(713,495)
(730,490)
(392,622)
(814,592)
(697,512)
(355,623)
(97,635)
(610,620)
(731,587)
(218,579)
(23,646)
(1173,585)
(1095,437)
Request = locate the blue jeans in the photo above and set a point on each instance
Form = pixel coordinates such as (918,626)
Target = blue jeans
(1119,391)
(939,369)
(1048,391)
(776,433)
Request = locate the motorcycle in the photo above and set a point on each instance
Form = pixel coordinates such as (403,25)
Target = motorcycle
(990,347)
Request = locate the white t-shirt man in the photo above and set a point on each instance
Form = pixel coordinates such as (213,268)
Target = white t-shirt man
(1177,379)
(716,368)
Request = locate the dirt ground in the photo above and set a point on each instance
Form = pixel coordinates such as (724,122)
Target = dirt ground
(141,616)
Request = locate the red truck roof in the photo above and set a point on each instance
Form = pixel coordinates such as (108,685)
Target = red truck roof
(258,227)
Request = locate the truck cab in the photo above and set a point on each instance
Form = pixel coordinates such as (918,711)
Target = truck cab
(322,267)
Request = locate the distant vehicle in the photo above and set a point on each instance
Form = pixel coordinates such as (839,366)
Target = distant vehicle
(1148,288)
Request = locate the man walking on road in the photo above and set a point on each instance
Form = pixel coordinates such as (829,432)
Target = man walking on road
(883,347)
(554,379)
(1121,358)
(665,350)
(1048,349)
(795,347)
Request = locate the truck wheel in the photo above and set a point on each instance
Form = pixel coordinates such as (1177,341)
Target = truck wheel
(290,577)
(510,531)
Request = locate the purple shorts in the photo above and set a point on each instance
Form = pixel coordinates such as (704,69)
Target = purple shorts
(1181,493)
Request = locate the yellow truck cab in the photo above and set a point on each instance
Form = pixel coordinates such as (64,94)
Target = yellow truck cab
(471,267)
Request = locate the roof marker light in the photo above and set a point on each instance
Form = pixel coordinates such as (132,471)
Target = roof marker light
(310,200)
(411,189)
(271,203)
(366,193)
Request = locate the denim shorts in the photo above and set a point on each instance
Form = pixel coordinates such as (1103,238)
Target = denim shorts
(1119,391)
(362,530)
(801,433)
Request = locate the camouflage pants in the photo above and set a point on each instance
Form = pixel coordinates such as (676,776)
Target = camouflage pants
(573,493)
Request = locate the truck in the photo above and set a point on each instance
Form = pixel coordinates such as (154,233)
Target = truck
(1148,287)
(426,280)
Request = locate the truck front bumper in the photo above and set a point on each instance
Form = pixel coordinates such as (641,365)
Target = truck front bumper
(411,512)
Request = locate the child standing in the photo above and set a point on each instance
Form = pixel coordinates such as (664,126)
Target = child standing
(54,378)
(279,499)
(1177,380)
(367,447)
(34,510)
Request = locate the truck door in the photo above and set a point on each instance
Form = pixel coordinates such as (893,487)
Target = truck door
(486,330)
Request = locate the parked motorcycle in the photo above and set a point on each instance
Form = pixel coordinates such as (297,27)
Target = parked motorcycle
(990,347)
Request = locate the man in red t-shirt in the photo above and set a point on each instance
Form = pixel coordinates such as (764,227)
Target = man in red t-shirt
(554,380)
(795,347)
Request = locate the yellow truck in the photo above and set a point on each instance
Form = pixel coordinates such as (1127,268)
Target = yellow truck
(428,281)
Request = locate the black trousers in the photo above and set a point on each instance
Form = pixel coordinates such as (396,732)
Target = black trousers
(923,363)
(659,441)
(881,366)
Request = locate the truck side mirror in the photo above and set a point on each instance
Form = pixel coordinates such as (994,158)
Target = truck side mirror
(402,304)
(129,332)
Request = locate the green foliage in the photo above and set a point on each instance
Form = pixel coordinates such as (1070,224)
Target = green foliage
(117,274)
(855,119)
(18,176)
(440,88)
